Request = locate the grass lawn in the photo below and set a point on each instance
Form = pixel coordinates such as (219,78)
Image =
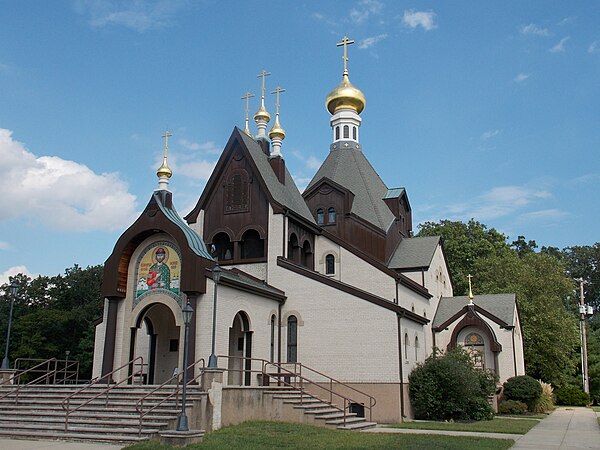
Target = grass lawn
(596,408)
(523,416)
(267,435)
(508,425)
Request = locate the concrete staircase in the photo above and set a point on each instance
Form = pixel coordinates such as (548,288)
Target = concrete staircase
(37,413)
(319,412)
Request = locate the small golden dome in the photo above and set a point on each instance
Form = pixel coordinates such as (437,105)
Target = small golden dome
(163,170)
(263,114)
(345,96)
(277,131)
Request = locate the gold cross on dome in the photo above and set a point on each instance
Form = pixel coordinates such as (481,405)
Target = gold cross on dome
(262,75)
(166,136)
(470,288)
(278,90)
(247,96)
(345,42)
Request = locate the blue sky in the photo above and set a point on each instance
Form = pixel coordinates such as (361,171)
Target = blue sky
(488,110)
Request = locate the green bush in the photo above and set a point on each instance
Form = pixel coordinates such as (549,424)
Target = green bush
(572,396)
(449,387)
(524,389)
(512,407)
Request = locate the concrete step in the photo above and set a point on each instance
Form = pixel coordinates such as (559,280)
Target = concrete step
(313,406)
(124,431)
(349,420)
(321,411)
(336,415)
(75,436)
(107,421)
(358,426)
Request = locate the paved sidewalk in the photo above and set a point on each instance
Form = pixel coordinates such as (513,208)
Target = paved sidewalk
(380,429)
(566,428)
(20,444)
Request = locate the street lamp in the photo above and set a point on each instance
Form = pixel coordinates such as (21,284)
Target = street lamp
(13,292)
(216,274)
(182,420)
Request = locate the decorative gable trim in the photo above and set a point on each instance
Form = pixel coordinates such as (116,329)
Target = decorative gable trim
(480,310)
(472,319)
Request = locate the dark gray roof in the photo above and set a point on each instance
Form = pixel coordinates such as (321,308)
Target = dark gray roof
(194,241)
(414,253)
(240,278)
(350,168)
(500,305)
(287,195)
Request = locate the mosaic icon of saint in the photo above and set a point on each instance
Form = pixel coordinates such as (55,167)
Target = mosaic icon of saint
(159,274)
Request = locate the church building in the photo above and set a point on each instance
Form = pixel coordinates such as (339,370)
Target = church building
(331,279)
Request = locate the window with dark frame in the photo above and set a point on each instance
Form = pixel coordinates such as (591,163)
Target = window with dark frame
(331,215)
(320,216)
(330,264)
(292,339)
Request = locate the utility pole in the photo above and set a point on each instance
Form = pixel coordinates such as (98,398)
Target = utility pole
(583,328)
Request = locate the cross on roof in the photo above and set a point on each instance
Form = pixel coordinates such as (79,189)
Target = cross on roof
(262,75)
(166,136)
(278,90)
(345,42)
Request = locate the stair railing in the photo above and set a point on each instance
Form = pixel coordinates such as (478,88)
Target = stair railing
(297,381)
(177,377)
(47,367)
(66,403)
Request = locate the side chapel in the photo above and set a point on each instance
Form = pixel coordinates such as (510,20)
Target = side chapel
(330,277)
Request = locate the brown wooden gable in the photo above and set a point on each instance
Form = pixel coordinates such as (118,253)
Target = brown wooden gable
(153,221)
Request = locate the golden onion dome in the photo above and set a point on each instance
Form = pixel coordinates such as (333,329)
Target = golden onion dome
(277,131)
(163,170)
(345,96)
(263,114)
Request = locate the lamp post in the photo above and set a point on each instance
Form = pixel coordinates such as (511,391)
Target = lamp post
(13,292)
(216,274)
(182,420)
(584,310)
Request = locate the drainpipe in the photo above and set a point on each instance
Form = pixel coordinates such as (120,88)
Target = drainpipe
(514,353)
(399,315)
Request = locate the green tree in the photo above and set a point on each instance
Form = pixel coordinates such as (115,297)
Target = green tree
(464,244)
(550,332)
(53,315)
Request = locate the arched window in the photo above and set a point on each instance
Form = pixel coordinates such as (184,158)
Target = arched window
(331,215)
(346,132)
(273,338)
(416,348)
(222,247)
(293,249)
(292,339)
(307,255)
(337,133)
(406,345)
(330,264)
(252,246)
(320,216)
(354,133)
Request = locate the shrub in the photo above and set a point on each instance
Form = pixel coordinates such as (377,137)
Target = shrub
(572,396)
(512,407)
(546,400)
(449,387)
(523,388)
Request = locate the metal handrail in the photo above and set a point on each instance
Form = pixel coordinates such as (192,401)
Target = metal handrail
(33,369)
(66,403)
(139,407)
(298,374)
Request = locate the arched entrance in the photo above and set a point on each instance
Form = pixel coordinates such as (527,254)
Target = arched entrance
(240,347)
(155,338)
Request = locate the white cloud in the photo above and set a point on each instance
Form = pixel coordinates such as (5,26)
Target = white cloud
(414,19)
(497,202)
(594,47)
(560,47)
(545,215)
(198,170)
(12,271)
(521,77)
(137,15)
(207,147)
(534,29)
(313,163)
(371,41)
(4,245)
(489,134)
(60,193)
(364,9)
(568,20)
(301,181)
